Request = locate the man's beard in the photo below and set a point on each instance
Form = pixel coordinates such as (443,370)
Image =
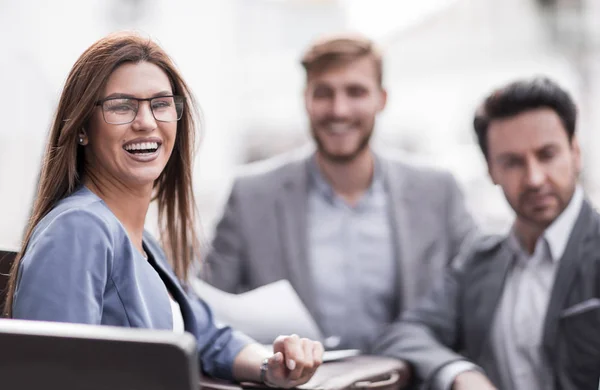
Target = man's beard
(528,215)
(342,158)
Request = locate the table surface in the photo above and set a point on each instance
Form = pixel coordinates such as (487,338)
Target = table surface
(340,374)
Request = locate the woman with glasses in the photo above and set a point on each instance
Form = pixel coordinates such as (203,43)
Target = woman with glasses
(123,136)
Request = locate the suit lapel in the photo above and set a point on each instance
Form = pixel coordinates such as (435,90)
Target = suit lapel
(398,203)
(172,283)
(291,210)
(487,279)
(575,252)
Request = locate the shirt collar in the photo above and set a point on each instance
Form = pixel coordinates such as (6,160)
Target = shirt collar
(558,233)
(321,184)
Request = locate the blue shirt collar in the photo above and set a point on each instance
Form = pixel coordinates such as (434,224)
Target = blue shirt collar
(319,183)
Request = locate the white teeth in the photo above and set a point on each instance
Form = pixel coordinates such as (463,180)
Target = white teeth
(142,146)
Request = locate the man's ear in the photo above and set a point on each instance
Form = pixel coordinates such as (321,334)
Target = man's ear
(305,95)
(491,172)
(383,99)
(576,149)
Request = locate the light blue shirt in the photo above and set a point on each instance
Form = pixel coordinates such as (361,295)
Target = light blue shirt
(352,262)
(81,267)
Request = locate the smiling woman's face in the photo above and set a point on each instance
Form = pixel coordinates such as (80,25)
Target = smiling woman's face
(133,154)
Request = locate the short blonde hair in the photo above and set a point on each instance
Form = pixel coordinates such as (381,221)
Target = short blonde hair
(333,50)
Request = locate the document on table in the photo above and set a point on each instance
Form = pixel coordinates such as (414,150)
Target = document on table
(263,313)
(333,355)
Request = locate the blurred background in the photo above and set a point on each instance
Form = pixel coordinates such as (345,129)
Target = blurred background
(241,58)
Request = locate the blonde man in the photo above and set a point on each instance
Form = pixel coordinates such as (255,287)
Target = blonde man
(359,235)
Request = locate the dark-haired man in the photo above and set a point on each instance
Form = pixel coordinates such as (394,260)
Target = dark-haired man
(358,234)
(522,311)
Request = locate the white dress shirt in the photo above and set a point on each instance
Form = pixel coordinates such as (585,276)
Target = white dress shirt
(177,317)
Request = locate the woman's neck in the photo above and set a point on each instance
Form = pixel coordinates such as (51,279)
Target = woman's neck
(129,205)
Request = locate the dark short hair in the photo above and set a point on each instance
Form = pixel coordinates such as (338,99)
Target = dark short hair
(338,49)
(520,96)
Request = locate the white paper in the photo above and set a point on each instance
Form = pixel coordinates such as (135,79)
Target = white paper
(263,313)
(331,356)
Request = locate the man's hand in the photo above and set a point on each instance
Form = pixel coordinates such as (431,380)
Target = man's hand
(294,361)
(472,380)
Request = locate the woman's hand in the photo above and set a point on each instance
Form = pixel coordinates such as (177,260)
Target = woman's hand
(294,361)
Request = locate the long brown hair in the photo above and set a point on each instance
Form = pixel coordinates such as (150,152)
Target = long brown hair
(63,162)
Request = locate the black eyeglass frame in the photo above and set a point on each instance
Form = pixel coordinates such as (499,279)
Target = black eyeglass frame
(149,100)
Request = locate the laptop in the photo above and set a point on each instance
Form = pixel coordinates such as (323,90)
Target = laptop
(36,355)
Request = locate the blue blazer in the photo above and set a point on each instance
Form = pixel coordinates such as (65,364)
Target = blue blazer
(80,266)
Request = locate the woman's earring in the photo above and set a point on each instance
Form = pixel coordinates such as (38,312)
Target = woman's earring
(81,136)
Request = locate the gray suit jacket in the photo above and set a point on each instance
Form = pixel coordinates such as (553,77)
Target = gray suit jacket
(458,313)
(262,236)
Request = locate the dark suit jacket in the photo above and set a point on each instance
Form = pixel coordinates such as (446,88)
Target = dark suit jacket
(458,313)
(262,236)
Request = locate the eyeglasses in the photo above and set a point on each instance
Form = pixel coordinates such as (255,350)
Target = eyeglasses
(123,110)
